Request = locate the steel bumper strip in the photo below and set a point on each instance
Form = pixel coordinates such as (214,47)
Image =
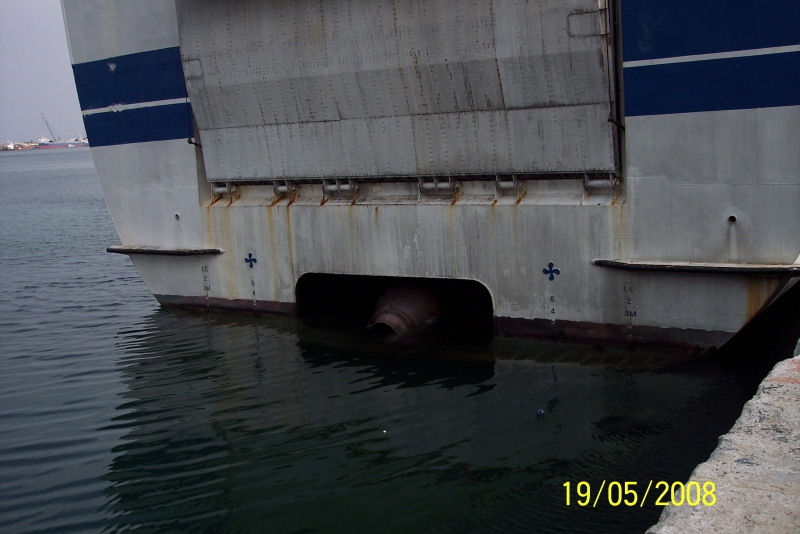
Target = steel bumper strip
(783,271)
(163,251)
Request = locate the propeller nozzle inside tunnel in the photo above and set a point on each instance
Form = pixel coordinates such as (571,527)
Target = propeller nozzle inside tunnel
(392,307)
(405,307)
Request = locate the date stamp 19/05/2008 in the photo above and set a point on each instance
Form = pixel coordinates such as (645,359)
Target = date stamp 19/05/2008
(625,493)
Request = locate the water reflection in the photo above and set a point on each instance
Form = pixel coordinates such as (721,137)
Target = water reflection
(242,423)
(228,423)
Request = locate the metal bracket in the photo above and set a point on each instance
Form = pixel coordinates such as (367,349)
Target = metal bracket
(692,267)
(342,187)
(283,188)
(224,190)
(504,186)
(600,183)
(435,185)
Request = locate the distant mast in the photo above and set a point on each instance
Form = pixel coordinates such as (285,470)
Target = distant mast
(53,136)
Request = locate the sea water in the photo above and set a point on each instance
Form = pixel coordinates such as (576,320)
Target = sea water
(117,415)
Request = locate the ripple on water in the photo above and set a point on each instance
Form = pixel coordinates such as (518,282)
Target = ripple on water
(117,415)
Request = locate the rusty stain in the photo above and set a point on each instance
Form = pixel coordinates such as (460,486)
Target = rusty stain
(456,194)
(621,221)
(515,231)
(451,215)
(209,226)
(290,243)
(619,230)
(273,255)
(228,236)
(216,199)
(757,292)
(353,226)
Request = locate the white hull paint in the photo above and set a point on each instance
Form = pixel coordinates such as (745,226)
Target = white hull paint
(684,176)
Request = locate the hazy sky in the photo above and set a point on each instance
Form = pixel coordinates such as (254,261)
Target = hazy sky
(35,72)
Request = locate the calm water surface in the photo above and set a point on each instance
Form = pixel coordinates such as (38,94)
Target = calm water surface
(118,415)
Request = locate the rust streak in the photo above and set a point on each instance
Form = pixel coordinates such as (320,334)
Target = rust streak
(209,227)
(290,244)
(273,254)
(757,291)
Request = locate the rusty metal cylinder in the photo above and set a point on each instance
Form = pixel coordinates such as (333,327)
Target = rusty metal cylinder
(405,307)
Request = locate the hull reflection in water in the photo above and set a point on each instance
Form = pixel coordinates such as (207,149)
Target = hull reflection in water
(253,424)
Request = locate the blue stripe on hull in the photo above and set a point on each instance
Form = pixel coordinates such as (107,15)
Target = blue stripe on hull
(735,83)
(130,79)
(671,28)
(140,125)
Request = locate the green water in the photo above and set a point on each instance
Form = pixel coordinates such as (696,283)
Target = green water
(117,415)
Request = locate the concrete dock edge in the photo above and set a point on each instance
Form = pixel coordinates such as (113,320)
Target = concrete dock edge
(755,467)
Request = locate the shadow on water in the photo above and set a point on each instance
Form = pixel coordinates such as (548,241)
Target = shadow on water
(228,423)
(769,338)
(237,424)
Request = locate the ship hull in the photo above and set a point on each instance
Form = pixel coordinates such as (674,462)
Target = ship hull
(671,222)
(498,244)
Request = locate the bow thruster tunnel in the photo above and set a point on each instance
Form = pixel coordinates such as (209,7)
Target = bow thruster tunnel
(393,306)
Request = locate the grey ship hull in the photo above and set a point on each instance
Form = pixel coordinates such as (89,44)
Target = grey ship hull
(601,179)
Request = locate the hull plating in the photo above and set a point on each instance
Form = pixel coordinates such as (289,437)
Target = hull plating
(407,147)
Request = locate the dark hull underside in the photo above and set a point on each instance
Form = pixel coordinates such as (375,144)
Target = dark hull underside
(683,339)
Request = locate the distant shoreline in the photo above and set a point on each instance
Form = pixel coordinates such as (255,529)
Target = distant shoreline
(13,146)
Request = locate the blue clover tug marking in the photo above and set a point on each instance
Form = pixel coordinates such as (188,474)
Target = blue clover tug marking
(551,271)
(250,260)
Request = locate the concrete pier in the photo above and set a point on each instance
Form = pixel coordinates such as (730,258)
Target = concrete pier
(755,467)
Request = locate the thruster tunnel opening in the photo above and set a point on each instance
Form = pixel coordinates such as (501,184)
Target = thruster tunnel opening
(398,306)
